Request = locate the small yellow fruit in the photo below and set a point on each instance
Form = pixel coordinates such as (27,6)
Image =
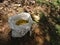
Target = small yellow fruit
(36,18)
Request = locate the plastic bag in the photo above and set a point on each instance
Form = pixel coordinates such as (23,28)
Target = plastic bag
(21,30)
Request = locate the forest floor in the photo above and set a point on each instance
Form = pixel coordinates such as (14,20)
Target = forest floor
(45,30)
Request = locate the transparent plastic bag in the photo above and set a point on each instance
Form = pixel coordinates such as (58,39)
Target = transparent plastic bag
(21,30)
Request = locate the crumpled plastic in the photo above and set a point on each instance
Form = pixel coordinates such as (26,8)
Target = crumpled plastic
(21,30)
